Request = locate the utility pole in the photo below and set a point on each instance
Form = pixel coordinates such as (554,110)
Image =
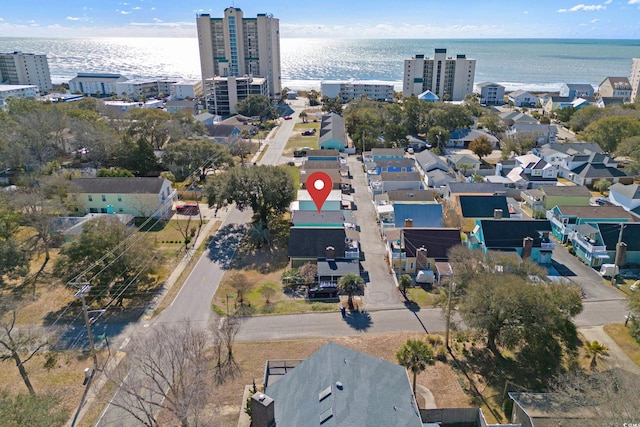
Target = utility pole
(448,325)
(616,260)
(86,288)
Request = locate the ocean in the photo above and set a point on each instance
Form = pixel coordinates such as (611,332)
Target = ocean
(530,64)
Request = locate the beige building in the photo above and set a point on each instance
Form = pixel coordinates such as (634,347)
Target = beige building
(447,77)
(140,197)
(17,68)
(223,93)
(239,46)
(615,87)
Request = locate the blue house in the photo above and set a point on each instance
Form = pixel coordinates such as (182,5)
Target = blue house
(565,218)
(383,154)
(579,90)
(528,238)
(427,215)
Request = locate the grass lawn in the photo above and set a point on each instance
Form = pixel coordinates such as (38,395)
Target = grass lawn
(620,334)
(296,140)
(423,297)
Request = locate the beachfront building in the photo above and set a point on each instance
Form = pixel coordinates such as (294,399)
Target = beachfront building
(576,90)
(237,46)
(16,91)
(355,89)
(138,89)
(634,78)
(223,93)
(615,87)
(95,83)
(490,93)
(522,98)
(184,89)
(17,68)
(447,77)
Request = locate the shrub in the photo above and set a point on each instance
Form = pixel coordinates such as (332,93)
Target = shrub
(634,330)
(441,353)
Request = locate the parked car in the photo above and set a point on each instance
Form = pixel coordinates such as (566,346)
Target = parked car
(309,132)
(287,117)
(324,290)
(601,201)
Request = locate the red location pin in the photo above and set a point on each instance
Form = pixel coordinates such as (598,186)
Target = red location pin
(319,186)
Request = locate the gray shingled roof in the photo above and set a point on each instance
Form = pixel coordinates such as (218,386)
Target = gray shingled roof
(340,387)
(410,195)
(400,176)
(631,191)
(566,190)
(307,242)
(119,185)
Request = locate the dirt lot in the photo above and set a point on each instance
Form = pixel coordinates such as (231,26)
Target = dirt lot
(440,379)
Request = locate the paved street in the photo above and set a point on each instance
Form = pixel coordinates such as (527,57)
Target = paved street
(380,288)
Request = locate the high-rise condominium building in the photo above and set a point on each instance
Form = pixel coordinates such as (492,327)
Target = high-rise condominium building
(447,77)
(17,68)
(239,46)
(634,78)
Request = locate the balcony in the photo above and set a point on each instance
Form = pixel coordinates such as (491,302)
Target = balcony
(547,246)
(399,255)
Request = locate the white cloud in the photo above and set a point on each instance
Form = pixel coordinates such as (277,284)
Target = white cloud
(1,19)
(72,18)
(634,1)
(593,21)
(124,12)
(608,2)
(153,8)
(585,7)
(136,8)
(526,12)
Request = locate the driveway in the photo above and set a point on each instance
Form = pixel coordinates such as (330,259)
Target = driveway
(380,291)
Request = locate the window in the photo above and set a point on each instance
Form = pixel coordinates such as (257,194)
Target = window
(104,198)
(119,198)
(90,198)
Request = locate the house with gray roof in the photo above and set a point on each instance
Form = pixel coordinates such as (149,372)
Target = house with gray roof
(310,243)
(405,196)
(627,196)
(543,134)
(395,181)
(615,87)
(522,98)
(137,196)
(509,118)
(467,164)
(462,137)
(438,179)
(226,134)
(411,249)
(490,93)
(427,161)
(383,154)
(576,90)
(532,172)
(588,169)
(339,387)
(555,153)
(333,135)
(554,102)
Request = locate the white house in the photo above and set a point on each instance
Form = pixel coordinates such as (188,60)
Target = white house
(354,89)
(95,83)
(16,91)
(490,93)
(184,89)
(522,98)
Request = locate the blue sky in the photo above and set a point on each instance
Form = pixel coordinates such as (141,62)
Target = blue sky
(331,18)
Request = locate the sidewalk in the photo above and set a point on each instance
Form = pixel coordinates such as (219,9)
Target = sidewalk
(617,357)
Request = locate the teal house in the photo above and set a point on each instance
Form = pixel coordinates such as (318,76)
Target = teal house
(333,135)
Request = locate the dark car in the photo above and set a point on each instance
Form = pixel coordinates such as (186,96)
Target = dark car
(324,290)
(309,132)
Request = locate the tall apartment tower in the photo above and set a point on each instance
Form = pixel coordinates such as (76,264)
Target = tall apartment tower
(634,78)
(19,68)
(239,46)
(449,78)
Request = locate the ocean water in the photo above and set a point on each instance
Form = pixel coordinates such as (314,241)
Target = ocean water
(532,64)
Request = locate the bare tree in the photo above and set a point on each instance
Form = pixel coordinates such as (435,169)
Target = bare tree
(19,346)
(241,285)
(165,369)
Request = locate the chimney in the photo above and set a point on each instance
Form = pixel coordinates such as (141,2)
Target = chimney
(408,222)
(330,252)
(497,214)
(262,411)
(527,245)
(421,259)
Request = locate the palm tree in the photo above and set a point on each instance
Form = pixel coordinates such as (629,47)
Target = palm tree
(303,115)
(351,284)
(405,282)
(595,350)
(415,356)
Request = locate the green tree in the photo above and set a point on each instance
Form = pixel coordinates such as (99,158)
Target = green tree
(113,173)
(14,258)
(395,134)
(602,185)
(268,291)
(565,114)
(492,123)
(313,96)
(481,146)
(405,283)
(149,124)
(303,115)
(585,116)
(594,351)
(351,284)
(256,105)
(438,136)
(189,156)
(119,265)
(332,105)
(138,157)
(415,356)
(33,411)
(608,132)
(267,190)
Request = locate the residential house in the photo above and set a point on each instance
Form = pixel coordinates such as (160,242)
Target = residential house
(323,155)
(304,201)
(190,106)
(522,98)
(556,153)
(588,169)
(454,190)
(329,271)
(383,154)
(627,196)
(140,197)
(224,134)
(537,201)
(463,137)
(542,134)
(405,196)
(531,172)
(390,165)
(241,122)
(576,90)
(509,118)
(427,161)
(607,101)
(207,118)
(438,179)
(490,93)
(326,388)
(395,181)
(472,208)
(411,249)
(308,244)
(630,237)
(314,165)
(332,219)
(411,215)
(565,218)
(464,163)
(553,103)
(337,179)
(527,238)
(595,242)
(333,135)
(579,103)
(428,96)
